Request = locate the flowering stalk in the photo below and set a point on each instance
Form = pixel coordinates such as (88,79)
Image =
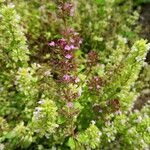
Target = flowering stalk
(64,64)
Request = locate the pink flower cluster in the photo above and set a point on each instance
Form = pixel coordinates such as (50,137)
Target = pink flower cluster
(93,58)
(71,41)
(68,78)
(114,104)
(66,9)
(63,50)
(95,83)
(70,105)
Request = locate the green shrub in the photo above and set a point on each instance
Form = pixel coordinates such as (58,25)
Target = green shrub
(68,89)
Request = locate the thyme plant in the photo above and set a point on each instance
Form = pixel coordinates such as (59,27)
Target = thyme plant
(80,92)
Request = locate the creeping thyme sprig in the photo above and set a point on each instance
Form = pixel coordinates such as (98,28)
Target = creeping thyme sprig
(63,50)
(64,65)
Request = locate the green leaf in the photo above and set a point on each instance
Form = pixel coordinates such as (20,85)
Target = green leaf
(78,105)
(101,11)
(78,53)
(10,135)
(61,120)
(27,141)
(81,68)
(71,143)
(100,1)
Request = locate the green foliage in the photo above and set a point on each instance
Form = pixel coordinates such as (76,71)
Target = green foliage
(91,104)
(90,137)
(13,43)
(138,2)
(44,119)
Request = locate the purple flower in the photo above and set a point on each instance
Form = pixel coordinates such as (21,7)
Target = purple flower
(77,80)
(51,43)
(70,105)
(67,47)
(41,101)
(118,112)
(72,46)
(62,40)
(68,56)
(67,6)
(80,41)
(38,109)
(90,87)
(72,40)
(70,30)
(62,43)
(75,33)
(67,9)
(66,77)
(98,87)
(72,12)
(96,78)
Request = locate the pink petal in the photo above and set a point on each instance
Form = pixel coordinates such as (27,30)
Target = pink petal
(68,56)
(67,47)
(70,105)
(51,43)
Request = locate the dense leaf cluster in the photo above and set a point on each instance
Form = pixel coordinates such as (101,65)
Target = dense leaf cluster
(85,102)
